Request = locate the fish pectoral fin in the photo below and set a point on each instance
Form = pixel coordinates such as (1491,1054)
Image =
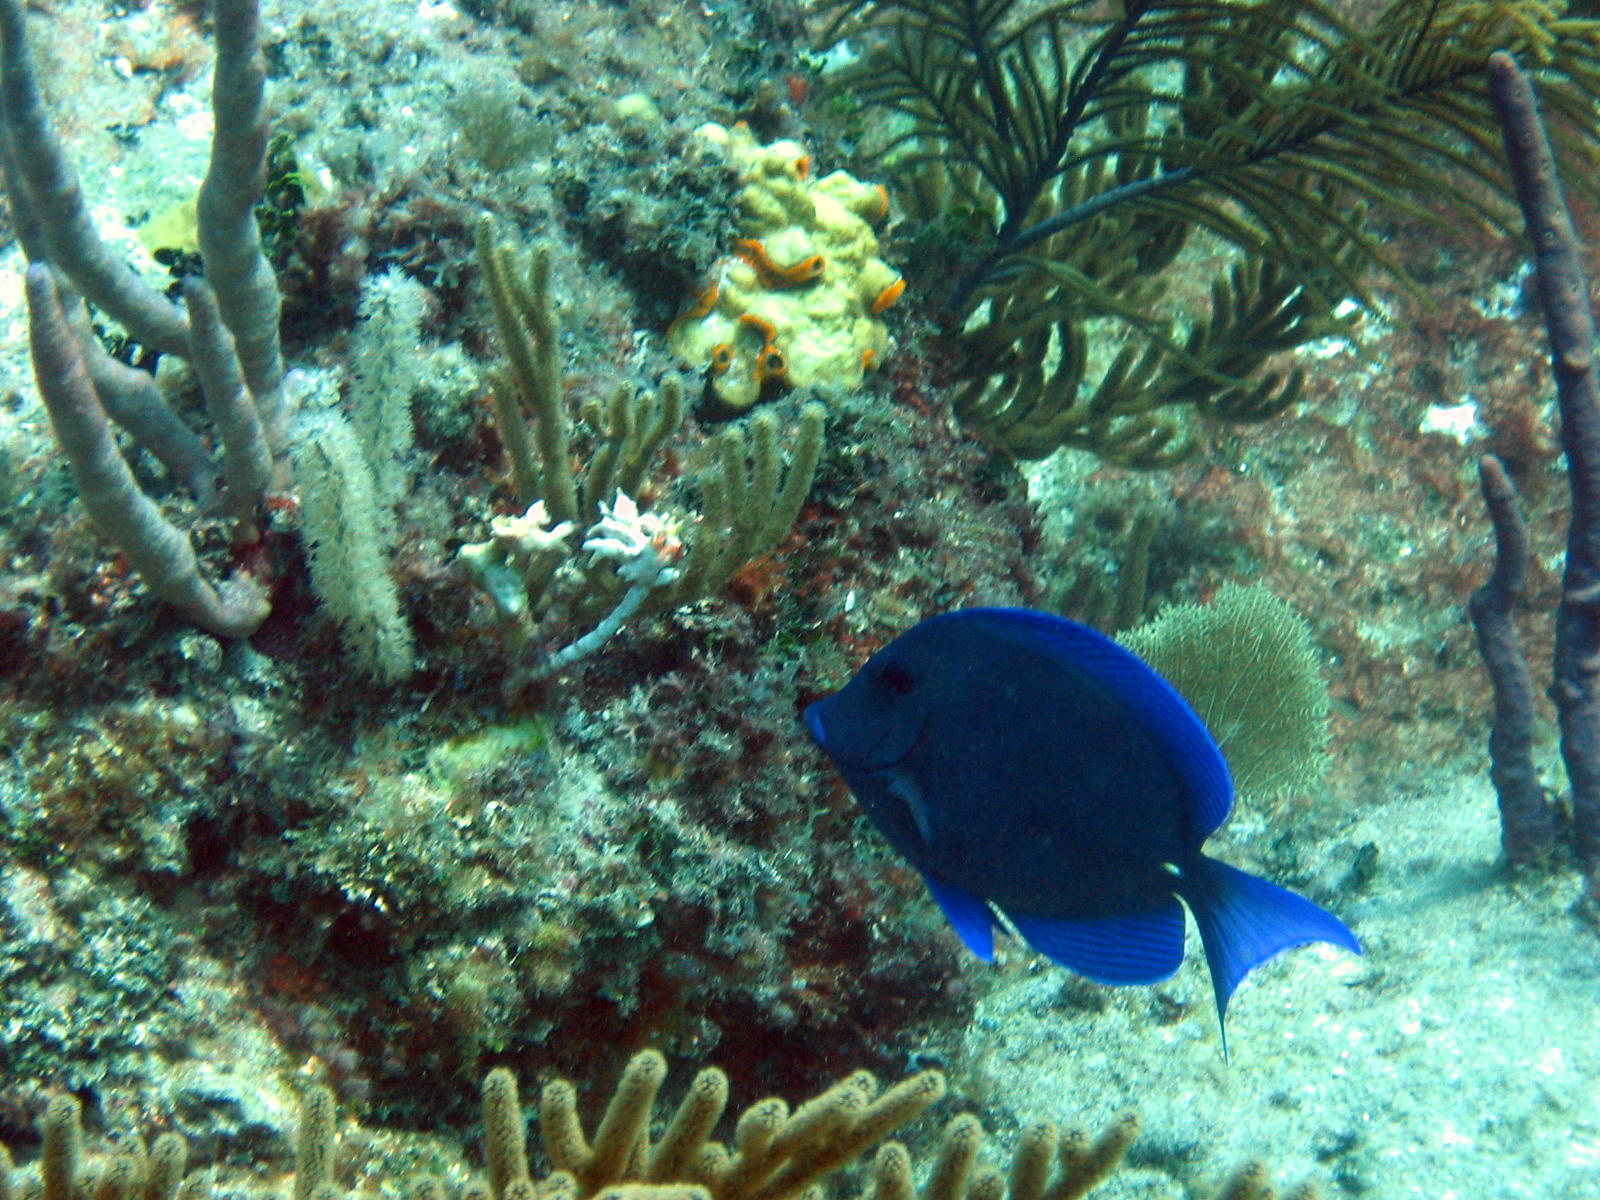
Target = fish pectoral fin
(968,915)
(1144,948)
(906,790)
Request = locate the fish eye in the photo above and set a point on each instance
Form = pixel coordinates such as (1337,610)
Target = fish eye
(897,679)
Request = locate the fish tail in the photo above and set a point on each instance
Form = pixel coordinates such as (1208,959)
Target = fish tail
(1244,921)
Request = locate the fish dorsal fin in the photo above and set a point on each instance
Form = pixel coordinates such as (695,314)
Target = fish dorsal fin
(968,915)
(1146,948)
(1166,714)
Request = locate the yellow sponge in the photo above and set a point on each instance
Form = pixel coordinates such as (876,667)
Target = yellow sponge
(799,300)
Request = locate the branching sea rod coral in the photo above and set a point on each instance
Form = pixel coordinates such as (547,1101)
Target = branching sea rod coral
(533,567)
(776,1153)
(1530,829)
(228,328)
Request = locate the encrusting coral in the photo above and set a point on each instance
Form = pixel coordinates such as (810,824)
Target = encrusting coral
(776,1153)
(798,302)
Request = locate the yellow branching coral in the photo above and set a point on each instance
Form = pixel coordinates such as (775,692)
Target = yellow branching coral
(775,1153)
(798,301)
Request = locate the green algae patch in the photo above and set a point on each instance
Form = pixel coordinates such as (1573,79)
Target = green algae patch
(454,764)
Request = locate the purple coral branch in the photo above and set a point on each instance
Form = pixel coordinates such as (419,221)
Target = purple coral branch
(1527,825)
(1569,321)
(230,244)
(229,331)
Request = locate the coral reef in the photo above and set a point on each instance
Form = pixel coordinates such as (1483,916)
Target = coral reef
(655,858)
(229,870)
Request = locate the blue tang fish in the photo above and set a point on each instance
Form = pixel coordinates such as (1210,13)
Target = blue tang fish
(1026,763)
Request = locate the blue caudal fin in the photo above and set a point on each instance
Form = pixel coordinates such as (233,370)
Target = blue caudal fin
(968,915)
(1244,921)
(1119,950)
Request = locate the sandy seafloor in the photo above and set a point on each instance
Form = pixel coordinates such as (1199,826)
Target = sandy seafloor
(1458,1060)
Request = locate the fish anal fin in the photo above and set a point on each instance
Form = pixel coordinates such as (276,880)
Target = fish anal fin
(1144,948)
(968,915)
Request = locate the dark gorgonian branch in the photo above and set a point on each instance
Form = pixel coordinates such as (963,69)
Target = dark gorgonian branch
(1057,158)
(1234,117)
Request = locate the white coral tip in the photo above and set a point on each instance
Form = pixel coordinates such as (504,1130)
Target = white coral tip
(531,532)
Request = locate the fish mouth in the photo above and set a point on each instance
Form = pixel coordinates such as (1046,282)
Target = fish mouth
(813,719)
(867,761)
